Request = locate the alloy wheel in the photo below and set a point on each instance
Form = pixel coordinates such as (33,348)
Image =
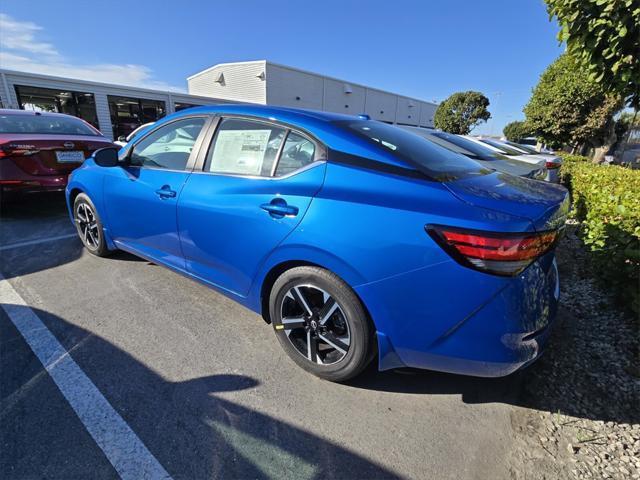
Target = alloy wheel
(88,226)
(315,324)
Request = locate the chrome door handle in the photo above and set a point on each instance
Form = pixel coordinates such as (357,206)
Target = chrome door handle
(166,192)
(278,208)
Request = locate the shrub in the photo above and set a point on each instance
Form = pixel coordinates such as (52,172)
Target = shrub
(606,200)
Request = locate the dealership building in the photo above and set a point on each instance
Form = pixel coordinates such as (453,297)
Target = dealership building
(117,109)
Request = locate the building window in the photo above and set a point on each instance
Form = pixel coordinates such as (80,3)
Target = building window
(181,106)
(78,104)
(128,113)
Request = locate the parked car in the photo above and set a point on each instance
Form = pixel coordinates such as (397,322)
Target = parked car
(481,154)
(533,143)
(124,139)
(38,150)
(553,162)
(519,154)
(354,239)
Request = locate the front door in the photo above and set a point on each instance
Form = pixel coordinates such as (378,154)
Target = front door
(254,188)
(141,197)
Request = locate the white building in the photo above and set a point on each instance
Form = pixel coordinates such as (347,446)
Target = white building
(117,109)
(269,83)
(114,109)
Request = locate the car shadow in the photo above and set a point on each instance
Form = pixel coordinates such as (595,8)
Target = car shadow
(189,426)
(36,206)
(26,220)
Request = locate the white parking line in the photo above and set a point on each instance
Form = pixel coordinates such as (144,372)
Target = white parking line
(126,452)
(37,241)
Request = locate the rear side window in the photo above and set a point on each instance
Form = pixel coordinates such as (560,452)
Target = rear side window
(298,152)
(435,161)
(45,124)
(244,147)
(169,146)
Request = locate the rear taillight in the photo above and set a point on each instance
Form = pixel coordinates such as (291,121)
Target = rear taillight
(552,165)
(497,253)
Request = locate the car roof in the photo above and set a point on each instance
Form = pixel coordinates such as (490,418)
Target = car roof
(12,111)
(267,111)
(321,125)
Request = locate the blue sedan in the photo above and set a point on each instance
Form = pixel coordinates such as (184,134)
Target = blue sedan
(354,239)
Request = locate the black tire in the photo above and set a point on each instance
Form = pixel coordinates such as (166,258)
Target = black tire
(348,325)
(86,218)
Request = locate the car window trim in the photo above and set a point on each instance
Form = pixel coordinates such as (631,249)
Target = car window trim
(195,150)
(320,154)
(279,154)
(281,150)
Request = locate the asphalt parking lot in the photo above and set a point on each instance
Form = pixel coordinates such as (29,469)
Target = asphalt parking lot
(199,385)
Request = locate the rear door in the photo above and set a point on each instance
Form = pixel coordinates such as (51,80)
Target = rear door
(251,188)
(140,198)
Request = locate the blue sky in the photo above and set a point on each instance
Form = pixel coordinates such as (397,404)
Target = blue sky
(425,49)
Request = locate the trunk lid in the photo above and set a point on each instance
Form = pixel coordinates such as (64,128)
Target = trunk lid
(515,167)
(37,154)
(545,204)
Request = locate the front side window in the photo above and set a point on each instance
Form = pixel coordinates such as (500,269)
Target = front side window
(298,151)
(169,146)
(244,147)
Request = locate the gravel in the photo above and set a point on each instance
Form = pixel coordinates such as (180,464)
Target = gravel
(579,415)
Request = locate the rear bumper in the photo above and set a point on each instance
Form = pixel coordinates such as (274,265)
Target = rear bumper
(452,319)
(553,175)
(15,180)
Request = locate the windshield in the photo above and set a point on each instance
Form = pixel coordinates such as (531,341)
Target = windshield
(435,161)
(44,124)
(505,148)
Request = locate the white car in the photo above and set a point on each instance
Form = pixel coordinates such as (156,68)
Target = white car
(123,140)
(532,142)
(552,162)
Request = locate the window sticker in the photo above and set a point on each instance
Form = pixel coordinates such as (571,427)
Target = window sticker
(240,151)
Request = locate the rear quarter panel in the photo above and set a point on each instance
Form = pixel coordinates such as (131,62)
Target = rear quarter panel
(366,226)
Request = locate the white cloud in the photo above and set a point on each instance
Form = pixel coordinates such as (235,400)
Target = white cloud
(21,36)
(21,49)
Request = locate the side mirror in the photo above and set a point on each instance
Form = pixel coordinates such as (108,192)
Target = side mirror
(106,157)
(122,138)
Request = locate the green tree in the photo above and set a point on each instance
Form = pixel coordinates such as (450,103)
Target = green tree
(568,108)
(514,131)
(604,36)
(461,112)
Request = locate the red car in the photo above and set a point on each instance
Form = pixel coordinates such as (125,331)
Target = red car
(38,150)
